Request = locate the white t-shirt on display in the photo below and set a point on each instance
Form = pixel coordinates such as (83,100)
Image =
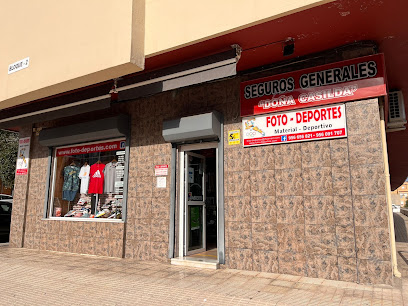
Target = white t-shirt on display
(84,176)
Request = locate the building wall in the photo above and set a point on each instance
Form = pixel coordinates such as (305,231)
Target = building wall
(402,194)
(71,44)
(19,202)
(147,229)
(96,238)
(171,25)
(314,209)
(77,51)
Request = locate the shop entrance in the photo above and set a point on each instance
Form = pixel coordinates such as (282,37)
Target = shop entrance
(198,195)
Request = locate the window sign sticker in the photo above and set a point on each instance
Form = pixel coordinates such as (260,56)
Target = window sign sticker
(190,174)
(88,148)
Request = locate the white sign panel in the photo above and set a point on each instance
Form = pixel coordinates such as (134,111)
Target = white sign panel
(19,65)
(161,170)
(293,126)
(118,184)
(23,156)
(161,182)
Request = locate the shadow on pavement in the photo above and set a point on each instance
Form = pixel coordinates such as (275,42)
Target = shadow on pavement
(403,256)
(400,229)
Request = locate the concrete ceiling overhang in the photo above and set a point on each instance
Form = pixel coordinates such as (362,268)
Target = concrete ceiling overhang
(323,28)
(49,47)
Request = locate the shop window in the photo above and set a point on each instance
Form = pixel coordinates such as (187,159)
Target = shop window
(88,181)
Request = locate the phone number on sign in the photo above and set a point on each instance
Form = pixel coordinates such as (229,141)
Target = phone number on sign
(316,135)
(295,137)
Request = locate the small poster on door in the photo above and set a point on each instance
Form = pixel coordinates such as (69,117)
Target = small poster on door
(190,174)
(161,182)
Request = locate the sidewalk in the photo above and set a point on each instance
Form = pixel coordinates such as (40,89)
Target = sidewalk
(401,238)
(31,277)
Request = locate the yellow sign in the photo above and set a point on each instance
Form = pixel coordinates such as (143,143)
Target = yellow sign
(234,137)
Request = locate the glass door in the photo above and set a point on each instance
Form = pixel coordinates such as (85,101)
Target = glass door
(195,214)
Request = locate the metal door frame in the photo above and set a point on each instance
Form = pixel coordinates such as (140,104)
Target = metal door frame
(190,203)
(182,203)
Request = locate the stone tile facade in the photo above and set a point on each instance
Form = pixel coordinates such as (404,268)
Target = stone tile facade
(314,209)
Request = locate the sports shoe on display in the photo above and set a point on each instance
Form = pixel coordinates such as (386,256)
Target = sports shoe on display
(71,213)
(100,214)
(81,201)
(78,214)
(112,216)
(85,212)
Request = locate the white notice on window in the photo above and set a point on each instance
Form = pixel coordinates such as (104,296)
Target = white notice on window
(119,184)
(161,182)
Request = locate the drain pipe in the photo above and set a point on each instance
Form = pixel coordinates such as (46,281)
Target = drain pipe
(388,193)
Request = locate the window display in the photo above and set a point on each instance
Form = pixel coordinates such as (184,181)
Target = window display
(88,181)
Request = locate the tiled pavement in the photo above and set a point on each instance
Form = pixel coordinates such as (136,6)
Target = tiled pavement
(401,238)
(31,277)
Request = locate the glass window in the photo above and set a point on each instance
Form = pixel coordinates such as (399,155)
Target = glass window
(5,207)
(88,180)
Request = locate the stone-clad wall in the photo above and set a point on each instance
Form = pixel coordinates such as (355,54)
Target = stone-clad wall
(19,202)
(314,209)
(148,207)
(147,228)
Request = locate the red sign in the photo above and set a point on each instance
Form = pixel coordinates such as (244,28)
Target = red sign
(92,148)
(161,170)
(324,122)
(349,80)
(327,134)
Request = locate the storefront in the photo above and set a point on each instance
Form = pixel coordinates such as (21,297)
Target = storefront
(264,172)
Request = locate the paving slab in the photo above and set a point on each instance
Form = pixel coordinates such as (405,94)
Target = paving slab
(33,277)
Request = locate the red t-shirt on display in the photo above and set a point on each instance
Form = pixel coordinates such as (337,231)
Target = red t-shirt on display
(96,179)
